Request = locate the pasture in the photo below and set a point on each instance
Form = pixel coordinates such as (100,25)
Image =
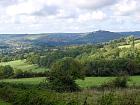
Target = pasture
(137,45)
(86,83)
(24,66)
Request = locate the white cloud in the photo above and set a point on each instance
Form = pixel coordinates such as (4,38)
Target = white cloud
(33,6)
(127,7)
(76,15)
(92,4)
(96,15)
(28,7)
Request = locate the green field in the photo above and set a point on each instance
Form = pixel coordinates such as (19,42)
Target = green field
(137,45)
(30,81)
(24,66)
(93,81)
(97,81)
(86,83)
(3,103)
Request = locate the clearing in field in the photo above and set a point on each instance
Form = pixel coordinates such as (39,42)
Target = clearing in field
(88,82)
(137,45)
(24,66)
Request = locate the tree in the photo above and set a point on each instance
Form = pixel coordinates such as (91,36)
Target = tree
(63,75)
(6,71)
(33,58)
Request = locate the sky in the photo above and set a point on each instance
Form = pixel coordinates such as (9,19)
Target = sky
(45,16)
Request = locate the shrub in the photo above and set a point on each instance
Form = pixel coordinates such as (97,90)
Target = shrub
(118,82)
(121,81)
(29,74)
(6,71)
(26,97)
(106,99)
(114,98)
(63,75)
(129,98)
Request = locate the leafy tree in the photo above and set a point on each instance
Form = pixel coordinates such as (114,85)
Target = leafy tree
(63,75)
(6,71)
(33,58)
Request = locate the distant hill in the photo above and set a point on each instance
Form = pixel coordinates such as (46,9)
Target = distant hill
(100,36)
(57,39)
(77,38)
(134,33)
(54,39)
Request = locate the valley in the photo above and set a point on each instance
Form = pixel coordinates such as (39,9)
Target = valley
(70,68)
(69,52)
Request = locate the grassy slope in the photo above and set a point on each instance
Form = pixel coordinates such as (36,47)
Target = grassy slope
(88,82)
(93,81)
(96,81)
(137,45)
(21,64)
(3,103)
(32,81)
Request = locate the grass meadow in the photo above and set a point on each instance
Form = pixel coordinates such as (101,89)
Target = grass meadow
(86,83)
(24,66)
(137,45)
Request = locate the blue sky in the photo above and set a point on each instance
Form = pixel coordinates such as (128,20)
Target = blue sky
(40,16)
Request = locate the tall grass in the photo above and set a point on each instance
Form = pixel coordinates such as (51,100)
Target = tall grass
(36,96)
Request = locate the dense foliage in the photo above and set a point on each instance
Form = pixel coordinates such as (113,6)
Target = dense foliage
(63,75)
(34,96)
(112,67)
(106,59)
(6,71)
(67,64)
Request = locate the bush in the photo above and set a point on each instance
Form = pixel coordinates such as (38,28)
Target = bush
(29,74)
(113,98)
(33,97)
(128,99)
(63,75)
(42,97)
(118,82)
(26,97)
(121,82)
(6,71)
(106,99)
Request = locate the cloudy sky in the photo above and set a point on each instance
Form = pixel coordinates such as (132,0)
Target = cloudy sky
(39,16)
